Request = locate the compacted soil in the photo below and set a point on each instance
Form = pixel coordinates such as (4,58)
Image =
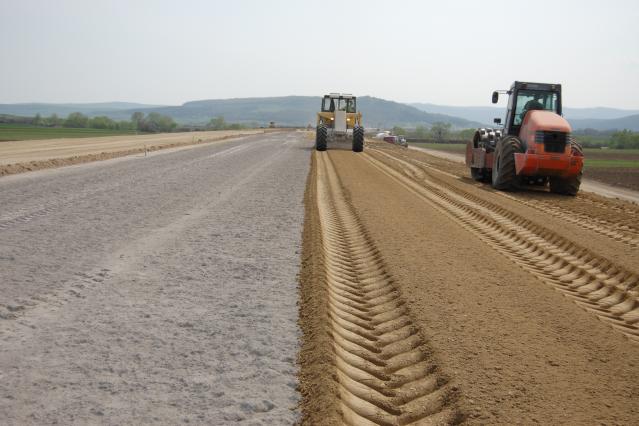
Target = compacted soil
(436,299)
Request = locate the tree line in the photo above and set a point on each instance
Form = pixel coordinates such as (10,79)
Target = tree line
(219,123)
(151,123)
(442,133)
(625,139)
(438,132)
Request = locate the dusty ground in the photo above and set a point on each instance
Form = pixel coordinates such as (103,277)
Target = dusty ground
(524,304)
(154,290)
(29,155)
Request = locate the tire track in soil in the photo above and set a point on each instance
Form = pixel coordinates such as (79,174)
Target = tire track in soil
(594,283)
(617,232)
(383,370)
(620,232)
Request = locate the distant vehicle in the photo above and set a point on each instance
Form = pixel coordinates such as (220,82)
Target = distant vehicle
(381,135)
(395,139)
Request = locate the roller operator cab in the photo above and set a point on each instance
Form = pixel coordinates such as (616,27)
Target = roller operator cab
(339,121)
(534,146)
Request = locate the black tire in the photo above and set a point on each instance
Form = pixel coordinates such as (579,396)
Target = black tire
(478,174)
(504,176)
(321,135)
(358,139)
(568,186)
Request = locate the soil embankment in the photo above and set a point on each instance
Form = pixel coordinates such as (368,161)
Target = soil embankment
(24,156)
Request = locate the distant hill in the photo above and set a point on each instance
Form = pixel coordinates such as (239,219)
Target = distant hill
(630,122)
(383,113)
(599,113)
(481,114)
(91,109)
(299,111)
(599,118)
(286,110)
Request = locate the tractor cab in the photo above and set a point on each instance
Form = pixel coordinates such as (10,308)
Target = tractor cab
(524,97)
(339,102)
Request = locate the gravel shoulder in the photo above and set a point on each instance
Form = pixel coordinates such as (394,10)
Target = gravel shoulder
(154,290)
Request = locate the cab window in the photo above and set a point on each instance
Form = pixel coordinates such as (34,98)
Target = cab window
(328,104)
(528,100)
(347,105)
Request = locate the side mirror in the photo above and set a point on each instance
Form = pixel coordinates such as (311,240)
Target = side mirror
(495,97)
(497,120)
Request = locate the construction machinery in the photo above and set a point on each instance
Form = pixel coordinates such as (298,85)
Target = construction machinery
(534,147)
(338,121)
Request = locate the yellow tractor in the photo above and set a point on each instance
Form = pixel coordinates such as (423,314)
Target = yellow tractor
(339,121)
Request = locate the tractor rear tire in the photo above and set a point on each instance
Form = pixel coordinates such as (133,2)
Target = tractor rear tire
(568,186)
(358,139)
(321,135)
(504,175)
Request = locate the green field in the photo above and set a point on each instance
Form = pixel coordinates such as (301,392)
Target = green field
(611,158)
(596,163)
(17,132)
(606,152)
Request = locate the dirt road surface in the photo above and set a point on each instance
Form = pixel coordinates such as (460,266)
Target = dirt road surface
(446,301)
(587,185)
(154,290)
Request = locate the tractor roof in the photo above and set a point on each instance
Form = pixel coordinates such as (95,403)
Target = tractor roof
(340,96)
(536,86)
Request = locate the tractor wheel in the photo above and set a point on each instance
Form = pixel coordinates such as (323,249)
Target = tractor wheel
(358,139)
(568,186)
(504,176)
(321,134)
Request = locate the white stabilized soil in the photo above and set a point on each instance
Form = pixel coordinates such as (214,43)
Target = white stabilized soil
(154,290)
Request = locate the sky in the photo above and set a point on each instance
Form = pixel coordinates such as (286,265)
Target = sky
(442,52)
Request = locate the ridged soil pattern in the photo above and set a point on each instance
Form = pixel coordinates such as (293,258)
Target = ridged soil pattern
(384,374)
(625,233)
(594,283)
